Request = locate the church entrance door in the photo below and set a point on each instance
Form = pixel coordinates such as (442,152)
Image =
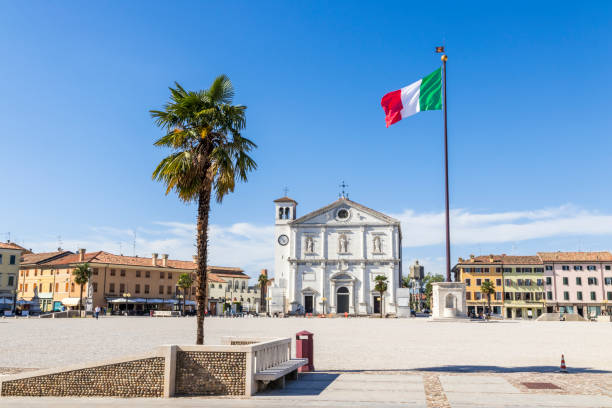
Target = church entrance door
(342,300)
(377,304)
(308,304)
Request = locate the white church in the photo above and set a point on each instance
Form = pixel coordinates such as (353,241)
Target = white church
(326,261)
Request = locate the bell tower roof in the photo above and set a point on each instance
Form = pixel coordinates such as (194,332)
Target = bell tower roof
(285,199)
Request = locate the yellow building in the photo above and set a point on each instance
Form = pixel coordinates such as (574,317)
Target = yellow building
(473,272)
(118,283)
(10,256)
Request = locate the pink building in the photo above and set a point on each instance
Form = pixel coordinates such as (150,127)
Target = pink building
(578,282)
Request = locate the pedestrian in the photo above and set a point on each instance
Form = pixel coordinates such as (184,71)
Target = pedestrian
(97,312)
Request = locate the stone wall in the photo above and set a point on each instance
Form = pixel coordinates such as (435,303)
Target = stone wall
(210,373)
(137,378)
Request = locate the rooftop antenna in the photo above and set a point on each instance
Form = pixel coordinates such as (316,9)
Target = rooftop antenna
(134,244)
(343,193)
(8,236)
(120,248)
(59,242)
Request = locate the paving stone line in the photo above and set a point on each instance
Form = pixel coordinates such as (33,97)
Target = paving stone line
(434,394)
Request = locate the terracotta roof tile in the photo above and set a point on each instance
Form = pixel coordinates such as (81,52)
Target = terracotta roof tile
(214,278)
(41,257)
(502,259)
(575,256)
(12,245)
(108,258)
(285,199)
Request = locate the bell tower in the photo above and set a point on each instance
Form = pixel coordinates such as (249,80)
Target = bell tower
(284,213)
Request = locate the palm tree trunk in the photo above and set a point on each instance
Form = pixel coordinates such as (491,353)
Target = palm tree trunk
(184,296)
(81,301)
(489,302)
(381,305)
(203,212)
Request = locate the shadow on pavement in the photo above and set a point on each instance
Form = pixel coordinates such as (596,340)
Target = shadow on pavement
(307,384)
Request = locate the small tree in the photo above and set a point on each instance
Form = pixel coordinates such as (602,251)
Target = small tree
(488,289)
(185,281)
(81,274)
(263,287)
(427,281)
(381,287)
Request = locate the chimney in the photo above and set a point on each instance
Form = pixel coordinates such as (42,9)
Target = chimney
(195,259)
(491,259)
(164,260)
(460,260)
(471,257)
(264,272)
(81,254)
(154,259)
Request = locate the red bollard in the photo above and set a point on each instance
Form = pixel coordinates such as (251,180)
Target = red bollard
(304,349)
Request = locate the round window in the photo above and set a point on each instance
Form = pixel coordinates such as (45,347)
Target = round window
(343,214)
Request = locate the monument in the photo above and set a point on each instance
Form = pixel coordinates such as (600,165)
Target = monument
(448,300)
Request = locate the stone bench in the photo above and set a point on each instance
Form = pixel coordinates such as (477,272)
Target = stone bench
(277,374)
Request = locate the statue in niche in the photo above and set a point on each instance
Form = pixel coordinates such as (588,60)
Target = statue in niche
(309,245)
(342,243)
(377,244)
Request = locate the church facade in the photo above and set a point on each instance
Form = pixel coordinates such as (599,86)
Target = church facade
(327,261)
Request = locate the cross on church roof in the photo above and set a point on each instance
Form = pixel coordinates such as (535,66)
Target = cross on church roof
(343,194)
(285,191)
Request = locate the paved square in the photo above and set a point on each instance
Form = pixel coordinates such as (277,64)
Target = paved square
(359,362)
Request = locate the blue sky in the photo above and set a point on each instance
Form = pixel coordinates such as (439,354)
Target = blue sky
(529,122)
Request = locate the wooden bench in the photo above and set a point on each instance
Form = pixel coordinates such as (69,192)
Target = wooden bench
(276,374)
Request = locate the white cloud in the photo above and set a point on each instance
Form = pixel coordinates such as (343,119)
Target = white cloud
(251,246)
(473,228)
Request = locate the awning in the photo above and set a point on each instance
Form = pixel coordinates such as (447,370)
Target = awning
(70,301)
(27,302)
(190,302)
(5,300)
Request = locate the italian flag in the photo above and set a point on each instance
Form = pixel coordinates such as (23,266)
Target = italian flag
(424,94)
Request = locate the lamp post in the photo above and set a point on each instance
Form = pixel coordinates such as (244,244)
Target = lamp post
(180,297)
(14,302)
(323,300)
(126,295)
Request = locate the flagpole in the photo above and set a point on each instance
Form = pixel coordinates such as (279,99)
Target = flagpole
(448,254)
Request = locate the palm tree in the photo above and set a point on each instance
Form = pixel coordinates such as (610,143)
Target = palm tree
(81,274)
(488,289)
(381,287)
(203,129)
(184,282)
(263,287)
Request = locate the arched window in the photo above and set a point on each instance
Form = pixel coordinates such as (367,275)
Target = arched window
(280,213)
(287,212)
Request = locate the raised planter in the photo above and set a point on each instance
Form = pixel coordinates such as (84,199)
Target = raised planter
(238,367)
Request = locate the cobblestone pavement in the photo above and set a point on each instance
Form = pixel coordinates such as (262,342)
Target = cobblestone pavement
(366,357)
(390,390)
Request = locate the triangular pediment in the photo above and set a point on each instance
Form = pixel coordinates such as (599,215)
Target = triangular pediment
(357,213)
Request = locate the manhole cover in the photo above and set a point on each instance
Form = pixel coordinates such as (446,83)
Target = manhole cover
(541,386)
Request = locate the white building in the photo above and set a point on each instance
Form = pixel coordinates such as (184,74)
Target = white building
(326,261)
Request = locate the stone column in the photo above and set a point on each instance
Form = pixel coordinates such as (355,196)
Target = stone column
(362,289)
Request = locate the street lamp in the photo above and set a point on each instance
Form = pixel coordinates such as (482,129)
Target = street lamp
(126,295)
(323,300)
(14,302)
